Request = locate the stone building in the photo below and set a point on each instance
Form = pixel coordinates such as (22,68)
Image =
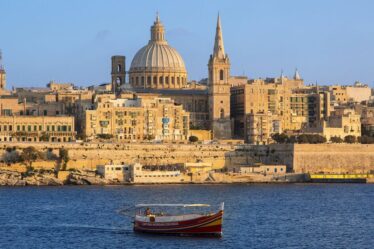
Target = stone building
(12,105)
(2,74)
(357,92)
(159,69)
(341,123)
(263,96)
(260,126)
(35,129)
(138,119)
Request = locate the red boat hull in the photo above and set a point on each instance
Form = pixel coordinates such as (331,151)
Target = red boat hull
(210,225)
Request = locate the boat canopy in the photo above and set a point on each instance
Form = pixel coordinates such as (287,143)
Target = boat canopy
(172,205)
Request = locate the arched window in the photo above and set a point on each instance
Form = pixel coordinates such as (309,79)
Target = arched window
(161,80)
(155,80)
(221,74)
(142,80)
(137,80)
(119,68)
(167,79)
(222,113)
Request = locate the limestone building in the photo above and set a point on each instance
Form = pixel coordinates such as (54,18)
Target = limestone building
(262,96)
(159,69)
(341,123)
(138,119)
(35,129)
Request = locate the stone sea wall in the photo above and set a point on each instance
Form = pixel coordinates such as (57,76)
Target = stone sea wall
(88,155)
(299,158)
(316,158)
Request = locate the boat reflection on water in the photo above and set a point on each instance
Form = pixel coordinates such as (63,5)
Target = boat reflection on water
(188,221)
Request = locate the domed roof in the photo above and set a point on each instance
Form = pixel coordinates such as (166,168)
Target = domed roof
(157,55)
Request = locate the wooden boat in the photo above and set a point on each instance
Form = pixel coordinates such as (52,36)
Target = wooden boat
(201,224)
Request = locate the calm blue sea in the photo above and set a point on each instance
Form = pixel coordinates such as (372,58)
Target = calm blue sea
(257,216)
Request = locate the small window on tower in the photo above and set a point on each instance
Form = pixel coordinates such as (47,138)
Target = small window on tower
(119,68)
(222,113)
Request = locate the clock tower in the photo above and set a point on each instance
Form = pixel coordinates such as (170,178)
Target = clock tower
(219,88)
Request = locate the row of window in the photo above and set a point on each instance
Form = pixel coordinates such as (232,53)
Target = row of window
(34,139)
(9,112)
(157,176)
(157,80)
(30,128)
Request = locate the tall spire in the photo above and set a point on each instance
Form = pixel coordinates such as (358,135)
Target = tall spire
(1,61)
(296,75)
(157,17)
(219,49)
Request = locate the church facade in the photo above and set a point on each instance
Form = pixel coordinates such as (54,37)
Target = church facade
(158,69)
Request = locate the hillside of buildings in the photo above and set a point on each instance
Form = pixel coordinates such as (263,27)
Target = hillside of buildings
(152,114)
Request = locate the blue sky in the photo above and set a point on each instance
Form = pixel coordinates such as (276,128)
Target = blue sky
(329,41)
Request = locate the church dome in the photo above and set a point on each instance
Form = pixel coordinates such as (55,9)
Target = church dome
(157,56)
(157,65)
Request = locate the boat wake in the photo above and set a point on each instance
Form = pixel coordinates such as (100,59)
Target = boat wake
(91,228)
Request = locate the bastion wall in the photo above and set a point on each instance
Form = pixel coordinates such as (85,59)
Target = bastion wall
(299,158)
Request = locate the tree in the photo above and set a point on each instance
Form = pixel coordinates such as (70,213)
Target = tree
(44,137)
(149,137)
(303,139)
(50,155)
(280,138)
(318,139)
(82,136)
(350,139)
(367,140)
(105,136)
(193,139)
(11,155)
(291,139)
(336,140)
(64,157)
(30,155)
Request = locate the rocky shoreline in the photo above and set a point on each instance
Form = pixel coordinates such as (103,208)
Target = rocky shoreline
(36,178)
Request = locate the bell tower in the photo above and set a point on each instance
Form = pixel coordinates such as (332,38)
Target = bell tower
(219,88)
(2,73)
(118,72)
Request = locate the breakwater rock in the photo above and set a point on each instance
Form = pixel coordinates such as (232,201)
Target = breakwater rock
(84,178)
(11,178)
(14,178)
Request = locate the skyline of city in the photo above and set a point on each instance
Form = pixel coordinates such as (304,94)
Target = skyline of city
(84,48)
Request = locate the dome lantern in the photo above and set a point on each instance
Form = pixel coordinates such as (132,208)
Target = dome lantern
(157,65)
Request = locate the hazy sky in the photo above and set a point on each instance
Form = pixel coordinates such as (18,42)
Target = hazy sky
(329,41)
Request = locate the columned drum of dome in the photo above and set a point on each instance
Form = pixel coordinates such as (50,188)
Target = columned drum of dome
(157,65)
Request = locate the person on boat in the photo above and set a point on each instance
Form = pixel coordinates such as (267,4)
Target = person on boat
(147,211)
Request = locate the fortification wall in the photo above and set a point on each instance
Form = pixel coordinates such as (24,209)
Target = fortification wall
(315,158)
(88,155)
(299,158)
(333,158)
